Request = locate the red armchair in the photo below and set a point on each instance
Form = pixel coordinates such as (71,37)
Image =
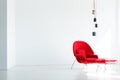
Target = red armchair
(84,54)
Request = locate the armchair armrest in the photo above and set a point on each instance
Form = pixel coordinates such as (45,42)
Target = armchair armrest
(92,56)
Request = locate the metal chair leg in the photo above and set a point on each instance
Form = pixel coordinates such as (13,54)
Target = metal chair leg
(98,66)
(85,66)
(104,67)
(73,64)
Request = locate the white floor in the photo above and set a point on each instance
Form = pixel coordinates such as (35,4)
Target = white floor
(60,72)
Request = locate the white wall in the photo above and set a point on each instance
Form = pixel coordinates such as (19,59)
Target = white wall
(3,33)
(107,28)
(46,29)
(7,34)
(118,30)
(10,34)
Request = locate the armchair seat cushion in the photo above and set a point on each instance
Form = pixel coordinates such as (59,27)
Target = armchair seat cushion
(80,55)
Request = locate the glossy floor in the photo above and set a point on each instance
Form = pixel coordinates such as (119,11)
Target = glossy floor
(60,72)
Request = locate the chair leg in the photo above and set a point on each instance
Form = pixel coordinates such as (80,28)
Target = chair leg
(85,66)
(73,64)
(104,67)
(98,66)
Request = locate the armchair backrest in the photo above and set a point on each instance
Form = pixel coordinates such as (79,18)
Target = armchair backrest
(83,48)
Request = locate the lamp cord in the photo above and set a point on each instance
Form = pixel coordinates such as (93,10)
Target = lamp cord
(95,16)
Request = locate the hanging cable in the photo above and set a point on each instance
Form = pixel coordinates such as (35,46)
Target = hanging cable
(95,17)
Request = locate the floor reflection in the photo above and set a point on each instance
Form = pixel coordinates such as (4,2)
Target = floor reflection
(3,75)
(58,73)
